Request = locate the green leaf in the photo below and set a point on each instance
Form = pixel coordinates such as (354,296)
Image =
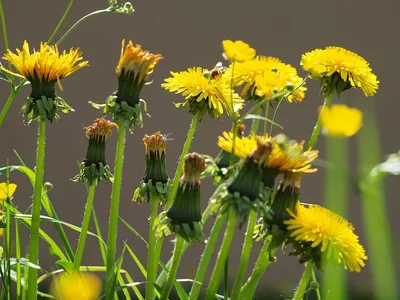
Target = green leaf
(66,265)
(251,116)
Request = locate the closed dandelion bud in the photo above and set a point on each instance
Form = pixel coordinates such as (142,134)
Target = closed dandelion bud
(43,69)
(184,216)
(135,65)
(94,167)
(155,179)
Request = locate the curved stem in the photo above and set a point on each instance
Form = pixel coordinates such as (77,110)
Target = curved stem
(244,259)
(256,122)
(301,289)
(266,112)
(317,129)
(222,255)
(179,169)
(264,258)
(73,27)
(174,268)
(84,229)
(60,22)
(35,225)
(275,114)
(151,261)
(115,197)
(7,106)
(205,258)
(317,290)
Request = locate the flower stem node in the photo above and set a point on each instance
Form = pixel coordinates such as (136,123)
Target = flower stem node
(155,180)
(184,216)
(43,69)
(94,167)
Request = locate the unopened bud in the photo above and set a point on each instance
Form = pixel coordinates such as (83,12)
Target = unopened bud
(314,285)
(48,186)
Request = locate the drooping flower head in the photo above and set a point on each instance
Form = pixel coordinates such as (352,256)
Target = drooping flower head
(202,94)
(184,216)
(322,234)
(94,167)
(155,179)
(134,66)
(340,69)
(267,77)
(78,286)
(43,69)
(238,51)
(339,120)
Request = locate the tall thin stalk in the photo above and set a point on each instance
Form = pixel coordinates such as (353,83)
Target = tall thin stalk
(301,289)
(152,263)
(36,206)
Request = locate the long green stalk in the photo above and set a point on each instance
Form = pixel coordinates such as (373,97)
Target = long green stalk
(301,289)
(4,29)
(55,31)
(266,112)
(115,197)
(18,257)
(7,106)
(244,259)
(84,229)
(256,122)
(174,267)
(222,255)
(379,238)
(205,258)
(318,125)
(336,199)
(35,225)
(264,258)
(179,169)
(151,262)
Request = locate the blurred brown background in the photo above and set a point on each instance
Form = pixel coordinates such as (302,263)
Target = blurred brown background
(189,33)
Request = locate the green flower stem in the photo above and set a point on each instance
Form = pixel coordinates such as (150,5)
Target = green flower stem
(174,268)
(205,258)
(264,258)
(151,261)
(317,129)
(4,29)
(18,257)
(336,199)
(266,112)
(115,197)
(256,122)
(244,259)
(222,255)
(71,2)
(35,225)
(380,242)
(178,172)
(317,290)
(84,229)
(8,104)
(278,106)
(301,289)
(73,27)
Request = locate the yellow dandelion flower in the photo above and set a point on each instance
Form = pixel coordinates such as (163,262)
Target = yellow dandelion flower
(136,63)
(7,190)
(273,76)
(83,286)
(340,120)
(329,231)
(202,94)
(238,51)
(46,66)
(244,146)
(340,69)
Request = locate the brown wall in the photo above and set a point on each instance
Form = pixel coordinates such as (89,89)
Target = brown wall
(189,33)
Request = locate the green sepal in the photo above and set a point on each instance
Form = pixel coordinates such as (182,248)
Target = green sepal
(93,173)
(159,191)
(44,108)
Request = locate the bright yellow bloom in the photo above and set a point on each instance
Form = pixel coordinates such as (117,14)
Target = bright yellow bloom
(341,120)
(238,51)
(352,69)
(329,231)
(47,65)
(7,191)
(286,156)
(202,94)
(83,286)
(138,62)
(266,76)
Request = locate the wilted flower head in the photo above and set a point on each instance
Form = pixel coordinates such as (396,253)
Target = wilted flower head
(134,66)
(184,216)
(155,179)
(340,69)
(238,51)
(43,69)
(340,120)
(78,286)
(94,167)
(202,94)
(320,234)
